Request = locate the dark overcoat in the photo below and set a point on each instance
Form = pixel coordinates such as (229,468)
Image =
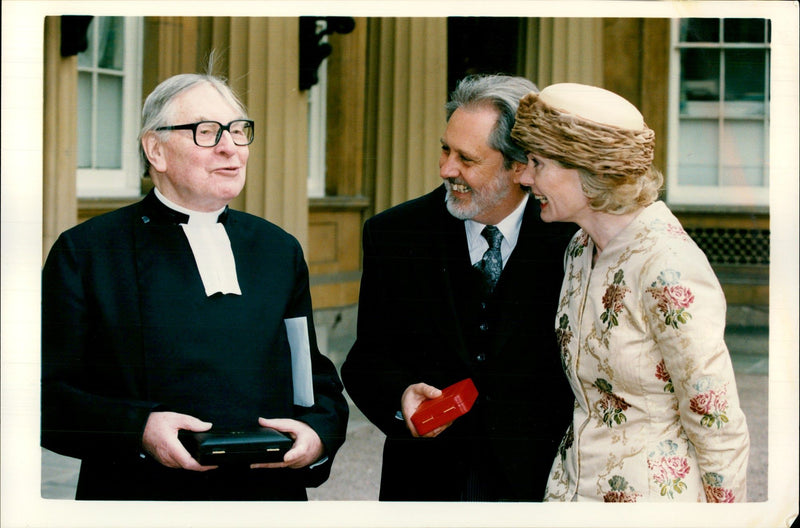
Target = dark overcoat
(422,319)
(127,329)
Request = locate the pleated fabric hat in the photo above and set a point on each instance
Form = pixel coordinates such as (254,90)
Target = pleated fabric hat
(585,126)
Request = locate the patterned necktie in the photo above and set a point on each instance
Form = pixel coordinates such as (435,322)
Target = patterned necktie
(491,264)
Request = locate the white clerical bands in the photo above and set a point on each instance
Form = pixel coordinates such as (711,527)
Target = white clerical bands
(211,248)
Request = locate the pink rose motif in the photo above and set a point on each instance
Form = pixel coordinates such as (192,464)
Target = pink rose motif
(702,403)
(717,494)
(663,375)
(720,400)
(620,491)
(668,472)
(577,246)
(661,372)
(679,296)
(708,402)
(563,337)
(658,470)
(661,297)
(671,298)
(563,333)
(617,402)
(621,496)
(678,467)
(712,405)
(675,230)
(612,300)
(611,404)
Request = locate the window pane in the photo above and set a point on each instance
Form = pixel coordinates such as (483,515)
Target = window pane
(700,30)
(722,133)
(84,120)
(743,153)
(109,119)
(697,152)
(699,75)
(745,72)
(86,58)
(745,30)
(111,36)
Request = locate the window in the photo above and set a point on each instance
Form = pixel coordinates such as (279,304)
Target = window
(719,112)
(109,83)
(317,125)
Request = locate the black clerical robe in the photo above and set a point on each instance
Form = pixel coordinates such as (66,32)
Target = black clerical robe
(127,329)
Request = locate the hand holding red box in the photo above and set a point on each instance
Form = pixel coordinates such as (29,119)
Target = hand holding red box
(456,400)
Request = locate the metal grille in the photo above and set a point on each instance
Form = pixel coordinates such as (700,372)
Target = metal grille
(738,247)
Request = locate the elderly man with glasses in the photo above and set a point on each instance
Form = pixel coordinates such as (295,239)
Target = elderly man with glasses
(178,313)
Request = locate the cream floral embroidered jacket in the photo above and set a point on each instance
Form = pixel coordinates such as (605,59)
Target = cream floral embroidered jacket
(657,413)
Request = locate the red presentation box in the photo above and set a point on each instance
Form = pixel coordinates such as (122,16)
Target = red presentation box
(456,400)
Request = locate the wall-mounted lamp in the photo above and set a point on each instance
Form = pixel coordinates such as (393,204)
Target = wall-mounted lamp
(312,50)
(73,34)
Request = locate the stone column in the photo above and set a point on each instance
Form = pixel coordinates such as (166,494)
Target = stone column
(564,50)
(406,93)
(263,69)
(60,143)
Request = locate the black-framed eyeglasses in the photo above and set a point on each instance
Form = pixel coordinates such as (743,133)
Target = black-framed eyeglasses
(208,133)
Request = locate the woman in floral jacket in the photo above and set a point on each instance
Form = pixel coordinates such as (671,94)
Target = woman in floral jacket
(641,317)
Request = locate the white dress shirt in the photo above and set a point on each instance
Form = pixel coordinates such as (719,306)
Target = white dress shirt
(509,227)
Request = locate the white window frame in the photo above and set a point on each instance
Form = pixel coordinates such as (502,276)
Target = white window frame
(725,195)
(125,181)
(317,127)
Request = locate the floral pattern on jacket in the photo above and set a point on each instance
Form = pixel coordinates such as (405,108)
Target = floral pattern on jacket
(657,414)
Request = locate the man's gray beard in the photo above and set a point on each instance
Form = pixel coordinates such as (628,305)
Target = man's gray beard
(460,210)
(479,204)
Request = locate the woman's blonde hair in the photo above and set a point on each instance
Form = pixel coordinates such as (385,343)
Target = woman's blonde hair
(615,164)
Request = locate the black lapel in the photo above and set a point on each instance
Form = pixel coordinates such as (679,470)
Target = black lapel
(454,270)
(514,273)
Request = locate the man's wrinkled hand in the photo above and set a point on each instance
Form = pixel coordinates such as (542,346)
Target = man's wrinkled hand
(306,449)
(160,439)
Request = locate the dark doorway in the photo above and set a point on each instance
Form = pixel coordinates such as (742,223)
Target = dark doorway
(483,45)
